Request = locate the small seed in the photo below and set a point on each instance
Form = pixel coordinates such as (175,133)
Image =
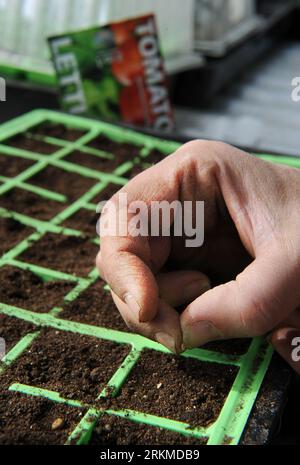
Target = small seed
(95,373)
(159,385)
(57,424)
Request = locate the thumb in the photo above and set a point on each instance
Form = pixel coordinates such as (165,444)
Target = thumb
(264,294)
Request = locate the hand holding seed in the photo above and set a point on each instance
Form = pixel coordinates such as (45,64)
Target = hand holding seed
(250,257)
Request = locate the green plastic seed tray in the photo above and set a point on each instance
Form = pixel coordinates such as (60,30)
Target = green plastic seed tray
(250,368)
(32,71)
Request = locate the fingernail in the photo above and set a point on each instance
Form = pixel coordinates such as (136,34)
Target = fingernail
(200,333)
(195,289)
(167,341)
(133,306)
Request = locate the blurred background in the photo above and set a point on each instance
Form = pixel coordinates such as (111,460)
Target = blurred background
(230,63)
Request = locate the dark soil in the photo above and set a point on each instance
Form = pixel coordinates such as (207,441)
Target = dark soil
(12,330)
(63,182)
(137,169)
(92,161)
(155,156)
(29,204)
(95,307)
(72,255)
(23,142)
(107,193)
(122,151)
(267,417)
(230,347)
(83,220)
(13,166)
(76,366)
(116,431)
(58,131)
(178,388)
(28,420)
(288,433)
(12,233)
(26,290)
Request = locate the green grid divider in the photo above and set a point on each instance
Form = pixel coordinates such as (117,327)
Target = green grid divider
(252,366)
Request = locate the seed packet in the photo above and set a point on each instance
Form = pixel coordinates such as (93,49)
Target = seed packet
(115,72)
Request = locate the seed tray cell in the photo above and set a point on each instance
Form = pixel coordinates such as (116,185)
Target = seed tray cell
(94,162)
(12,233)
(75,352)
(26,420)
(69,254)
(12,166)
(57,131)
(71,185)
(159,380)
(30,204)
(112,430)
(83,220)
(72,365)
(95,306)
(32,145)
(24,289)
(13,329)
(106,193)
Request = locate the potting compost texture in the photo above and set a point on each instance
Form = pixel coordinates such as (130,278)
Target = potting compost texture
(73,373)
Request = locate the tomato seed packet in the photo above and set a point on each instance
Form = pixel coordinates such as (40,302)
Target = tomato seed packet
(115,72)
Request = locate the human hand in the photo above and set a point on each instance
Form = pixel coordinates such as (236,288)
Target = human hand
(251,252)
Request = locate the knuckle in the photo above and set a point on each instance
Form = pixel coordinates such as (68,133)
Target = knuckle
(205,145)
(101,266)
(99,261)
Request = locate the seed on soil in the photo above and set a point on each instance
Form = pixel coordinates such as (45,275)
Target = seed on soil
(57,424)
(63,362)
(192,391)
(116,431)
(28,420)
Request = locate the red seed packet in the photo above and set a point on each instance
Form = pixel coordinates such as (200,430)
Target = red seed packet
(114,72)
